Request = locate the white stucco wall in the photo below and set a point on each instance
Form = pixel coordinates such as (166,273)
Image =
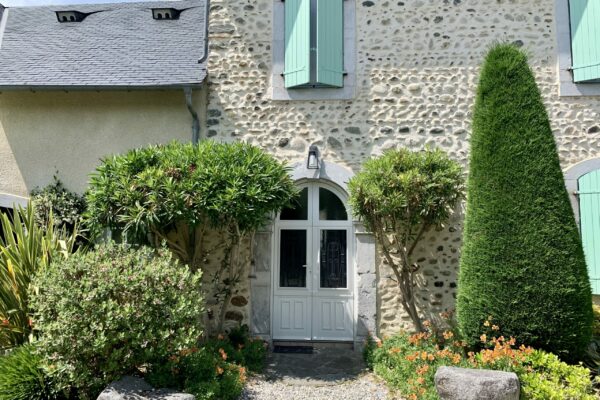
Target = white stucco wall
(417,65)
(45,132)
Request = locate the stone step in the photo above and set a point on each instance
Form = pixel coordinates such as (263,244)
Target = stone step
(316,344)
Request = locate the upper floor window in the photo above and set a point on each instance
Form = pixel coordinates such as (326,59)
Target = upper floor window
(585,40)
(314,43)
(314,46)
(578,33)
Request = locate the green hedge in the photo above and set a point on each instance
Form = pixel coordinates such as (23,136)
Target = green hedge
(522,259)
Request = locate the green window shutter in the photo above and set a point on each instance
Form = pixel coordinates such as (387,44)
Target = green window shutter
(589,209)
(297,43)
(585,39)
(330,42)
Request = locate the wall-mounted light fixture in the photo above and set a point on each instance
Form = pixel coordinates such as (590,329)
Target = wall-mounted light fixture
(313,157)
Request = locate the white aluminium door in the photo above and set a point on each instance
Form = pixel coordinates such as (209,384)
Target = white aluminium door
(313,274)
(292,299)
(332,317)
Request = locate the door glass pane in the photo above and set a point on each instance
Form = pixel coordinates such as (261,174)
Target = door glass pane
(333,259)
(331,208)
(299,211)
(292,258)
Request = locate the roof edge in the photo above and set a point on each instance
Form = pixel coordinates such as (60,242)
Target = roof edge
(110,4)
(97,88)
(3,17)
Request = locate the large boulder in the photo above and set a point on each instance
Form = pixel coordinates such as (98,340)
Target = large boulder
(476,384)
(132,388)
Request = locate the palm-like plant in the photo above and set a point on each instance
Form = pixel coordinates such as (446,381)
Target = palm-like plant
(25,247)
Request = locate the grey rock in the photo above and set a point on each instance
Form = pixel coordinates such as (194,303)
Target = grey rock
(334,143)
(223,28)
(475,384)
(353,129)
(594,129)
(234,316)
(132,388)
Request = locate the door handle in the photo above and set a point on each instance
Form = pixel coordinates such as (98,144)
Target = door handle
(305,266)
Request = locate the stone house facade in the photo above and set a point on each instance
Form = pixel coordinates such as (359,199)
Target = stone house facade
(413,75)
(408,77)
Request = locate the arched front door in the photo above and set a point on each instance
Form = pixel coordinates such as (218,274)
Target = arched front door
(313,273)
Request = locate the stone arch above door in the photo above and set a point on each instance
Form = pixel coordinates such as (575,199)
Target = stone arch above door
(328,171)
(365,277)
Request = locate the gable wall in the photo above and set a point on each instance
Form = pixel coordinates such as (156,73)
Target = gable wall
(42,133)
(417,66)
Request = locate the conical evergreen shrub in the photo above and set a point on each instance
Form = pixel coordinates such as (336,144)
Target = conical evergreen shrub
(522,259)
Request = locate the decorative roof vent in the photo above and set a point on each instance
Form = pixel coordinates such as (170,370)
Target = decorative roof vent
(165,13)
(70,16)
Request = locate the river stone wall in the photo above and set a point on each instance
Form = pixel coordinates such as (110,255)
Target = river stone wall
(417,64)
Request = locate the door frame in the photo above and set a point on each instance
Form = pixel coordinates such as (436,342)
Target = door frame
(311,229)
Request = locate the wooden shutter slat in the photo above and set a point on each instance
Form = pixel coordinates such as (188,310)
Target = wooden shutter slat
(330,42)
(585,39)
(589,209)
(297,43)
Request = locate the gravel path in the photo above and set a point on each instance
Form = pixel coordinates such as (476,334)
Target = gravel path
(364,387)
(326,374)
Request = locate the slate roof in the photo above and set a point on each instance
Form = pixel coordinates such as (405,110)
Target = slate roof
(117,46)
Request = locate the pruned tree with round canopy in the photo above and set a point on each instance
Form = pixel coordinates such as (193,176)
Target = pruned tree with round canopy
(181,194)
(400,196)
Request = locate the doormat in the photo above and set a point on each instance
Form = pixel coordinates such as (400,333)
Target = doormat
(293,349)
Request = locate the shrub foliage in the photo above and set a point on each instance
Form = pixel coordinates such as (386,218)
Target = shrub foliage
(23,376)
(216,371)
(182,193)
(105,313)
(400,196)
(25,248)
(54,203)
(522,260)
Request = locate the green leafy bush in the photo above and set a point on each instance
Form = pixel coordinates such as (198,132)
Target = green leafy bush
(409,362)
(113,310)
(217,370)
(201,372)
(241,348)
(25,248)
(23,376)
(55,202)
(400,196)
(596,323)
(553,379)
(183,193)
(522,260)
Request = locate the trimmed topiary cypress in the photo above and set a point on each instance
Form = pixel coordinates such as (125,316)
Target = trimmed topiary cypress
(522,259)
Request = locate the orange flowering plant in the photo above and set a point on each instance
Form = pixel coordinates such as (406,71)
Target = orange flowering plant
(408,363)
(217,370)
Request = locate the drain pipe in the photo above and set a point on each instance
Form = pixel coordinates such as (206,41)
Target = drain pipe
(188,90)
(195,120)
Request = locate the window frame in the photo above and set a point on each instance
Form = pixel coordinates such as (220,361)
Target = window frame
(567,86)
(277,82)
